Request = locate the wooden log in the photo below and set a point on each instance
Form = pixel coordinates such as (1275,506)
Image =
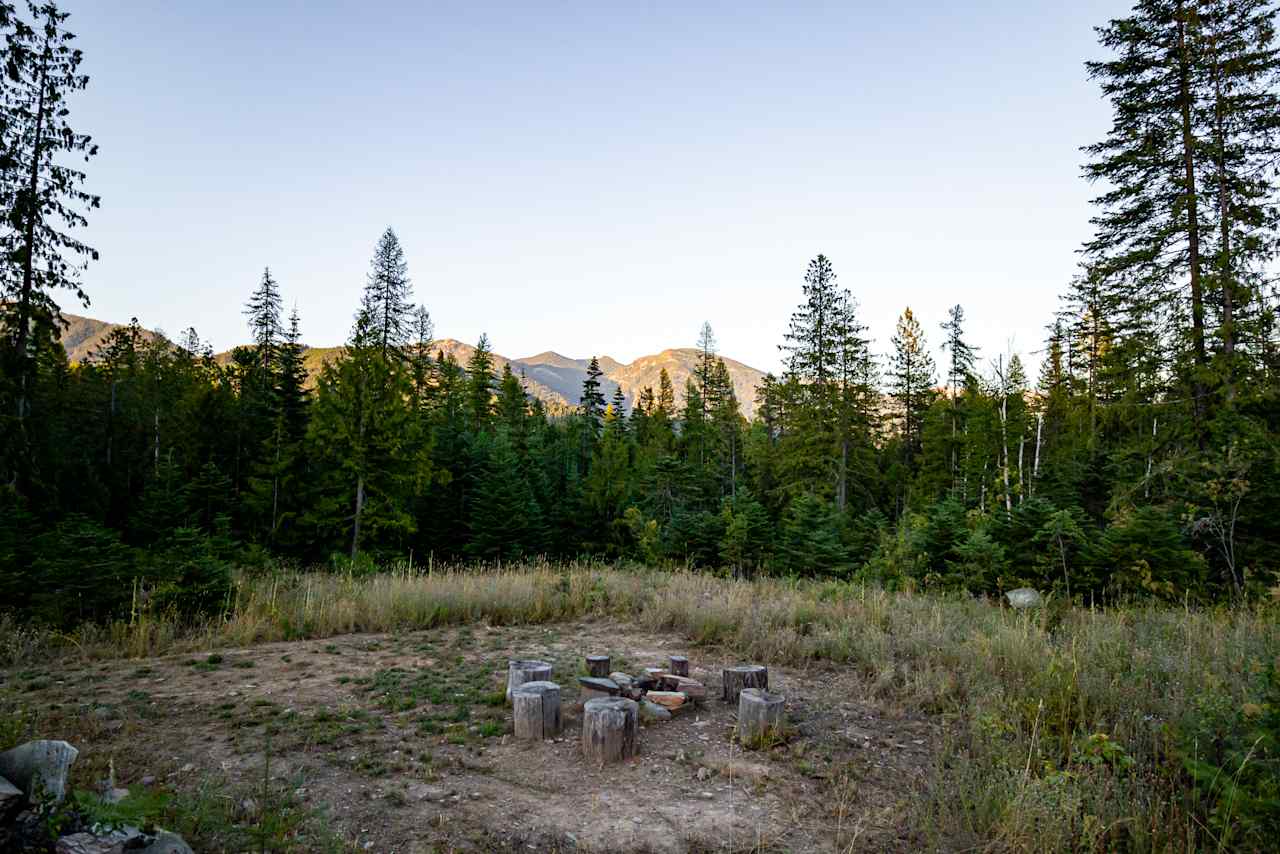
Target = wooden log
(667,699)
(536,708)
(598,665)
(520,671)
(609,729)
(744,676)
(759,716)
(679,665)
(691,688)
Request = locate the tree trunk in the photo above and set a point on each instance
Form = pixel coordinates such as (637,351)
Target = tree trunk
(1193,222)
(1224,215)
(536,711)
(610,730)
(355,527)
(759,717)
(743,676)
(26,294)
(598,665)
(679,665)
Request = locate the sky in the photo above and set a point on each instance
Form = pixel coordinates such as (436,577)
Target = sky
(592,178)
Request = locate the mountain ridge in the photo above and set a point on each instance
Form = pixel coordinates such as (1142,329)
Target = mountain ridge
(552,377)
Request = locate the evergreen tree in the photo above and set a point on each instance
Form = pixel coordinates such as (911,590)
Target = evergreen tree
(45,204)
(263,311)
(362,435)
(480,382)
(911,377)
(388,297)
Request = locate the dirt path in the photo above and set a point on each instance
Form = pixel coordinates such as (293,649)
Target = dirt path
(404,741)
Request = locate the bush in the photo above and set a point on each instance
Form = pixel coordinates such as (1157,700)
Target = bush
(1232,753)
(1147,555)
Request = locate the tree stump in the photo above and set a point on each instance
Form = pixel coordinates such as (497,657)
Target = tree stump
(598,665)
(593,688)
(520,671)
(536,707)
(609,727)
(759,716)
(744,676)
(679,665)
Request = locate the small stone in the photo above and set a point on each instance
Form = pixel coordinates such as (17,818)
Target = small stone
(247,810)
(116,795)
(188,768)
(167,843)
(148,780)
(424,792)
(707,796)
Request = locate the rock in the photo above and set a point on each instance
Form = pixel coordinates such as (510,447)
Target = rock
(111,842)
(167,843)
(11,798)
(115,795)
(39,768)
(622,680)
(651,711)
(424,792)
(669,699)
(149,780)
(247,810)
(1023,597)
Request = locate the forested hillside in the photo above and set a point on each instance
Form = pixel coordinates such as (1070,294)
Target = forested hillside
(1140,459)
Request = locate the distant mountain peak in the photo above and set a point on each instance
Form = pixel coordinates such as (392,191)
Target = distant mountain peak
(554,359)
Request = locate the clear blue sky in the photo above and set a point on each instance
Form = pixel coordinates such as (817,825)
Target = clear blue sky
(591,177)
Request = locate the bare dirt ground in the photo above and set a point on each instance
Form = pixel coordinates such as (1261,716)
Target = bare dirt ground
(404,742)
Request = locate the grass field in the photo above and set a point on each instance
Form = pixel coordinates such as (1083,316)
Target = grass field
(1140,728)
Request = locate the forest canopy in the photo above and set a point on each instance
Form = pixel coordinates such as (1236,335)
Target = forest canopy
(1140,461)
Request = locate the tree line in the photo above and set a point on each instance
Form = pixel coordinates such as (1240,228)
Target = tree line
(1141,461)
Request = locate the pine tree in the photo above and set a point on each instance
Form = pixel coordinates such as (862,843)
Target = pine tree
(702,371)
(1240,110)
(618,407)
(45,204)
(263,311)
(362,434)
(480,381)
(911,374)
(388,297)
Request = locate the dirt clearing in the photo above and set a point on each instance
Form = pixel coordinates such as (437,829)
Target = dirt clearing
(402,743)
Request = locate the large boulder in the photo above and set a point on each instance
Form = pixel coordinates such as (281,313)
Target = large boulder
(1023,597)
(39,768)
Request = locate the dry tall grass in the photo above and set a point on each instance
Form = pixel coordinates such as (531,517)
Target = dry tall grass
(1046,707)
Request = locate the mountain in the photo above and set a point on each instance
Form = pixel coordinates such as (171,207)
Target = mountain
(553,378)
(84,335)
